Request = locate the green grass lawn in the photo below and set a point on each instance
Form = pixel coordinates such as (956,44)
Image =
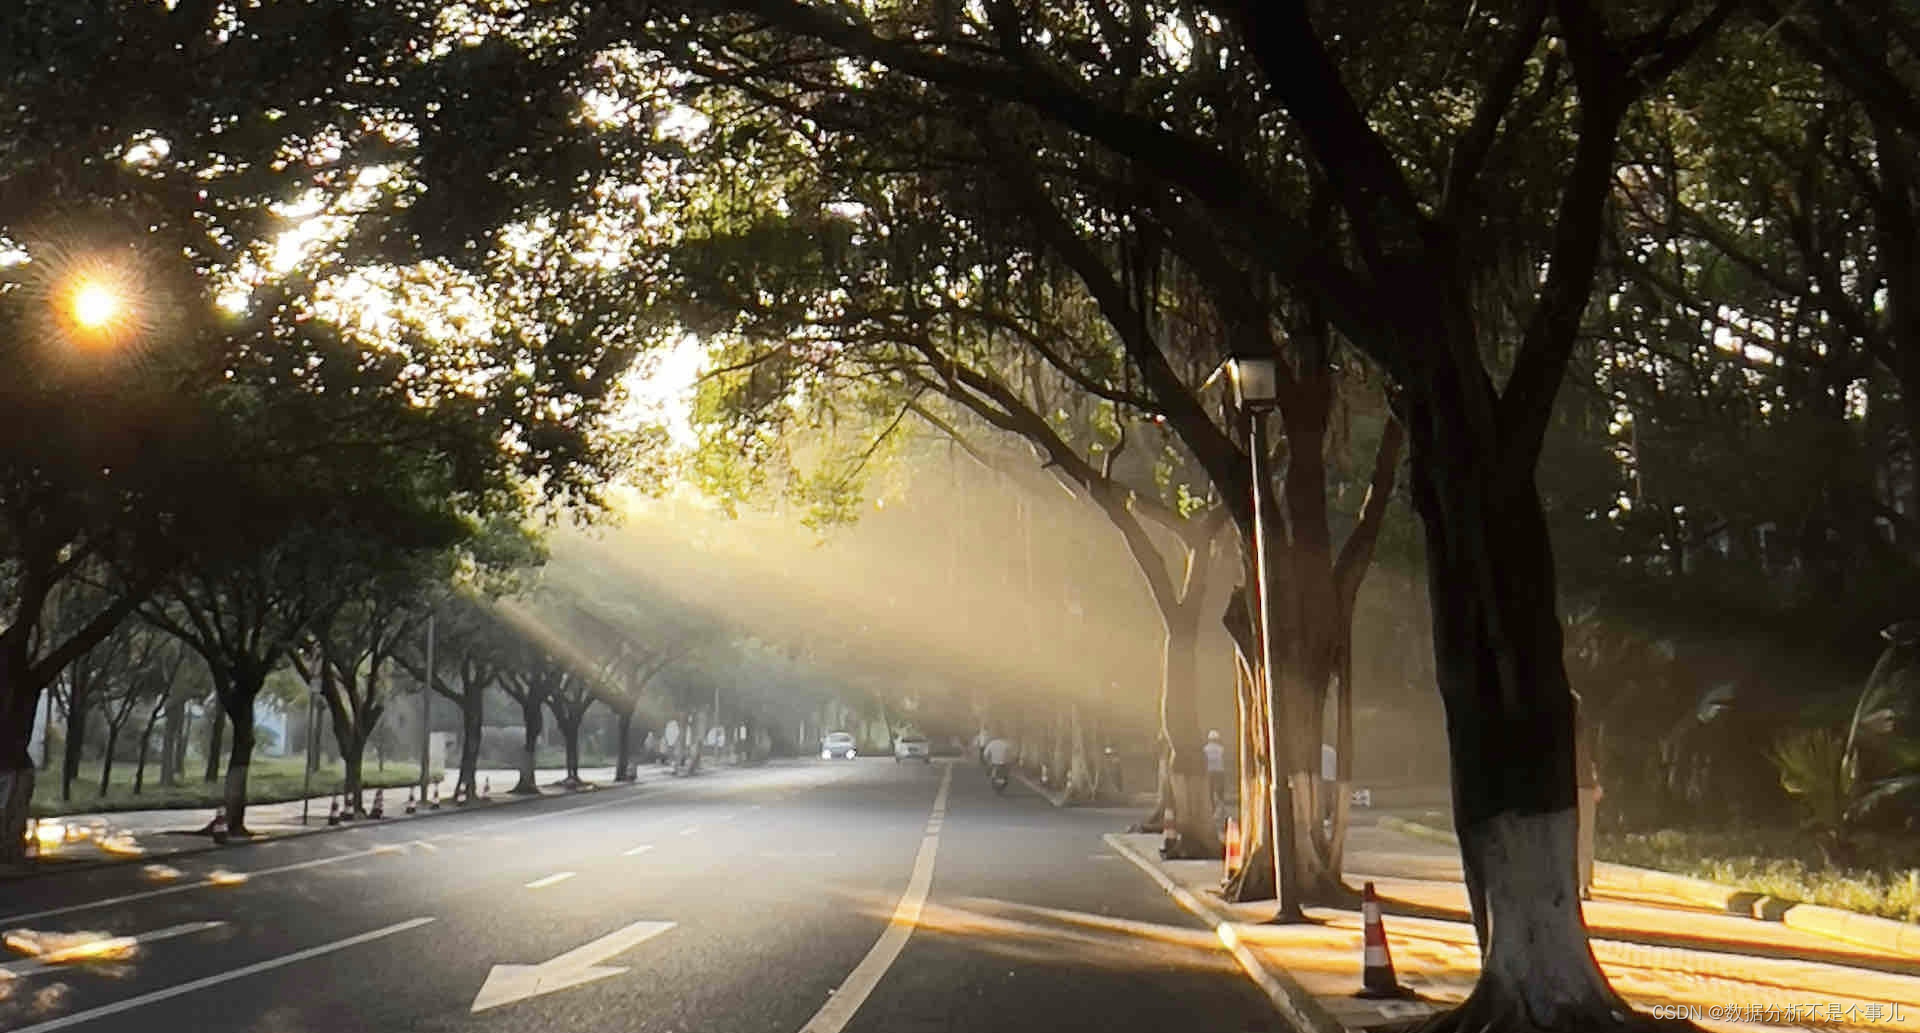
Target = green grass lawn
(269,780)
(1882,883)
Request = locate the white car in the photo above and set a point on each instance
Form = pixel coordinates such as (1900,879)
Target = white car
(912,747)
(838,746)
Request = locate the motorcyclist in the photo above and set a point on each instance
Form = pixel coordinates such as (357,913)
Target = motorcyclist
(998,755)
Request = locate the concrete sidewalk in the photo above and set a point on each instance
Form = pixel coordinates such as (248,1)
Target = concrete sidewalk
(76,840)
(1658,951)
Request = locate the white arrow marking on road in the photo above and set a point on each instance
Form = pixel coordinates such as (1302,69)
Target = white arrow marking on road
(107,948)
(509,983)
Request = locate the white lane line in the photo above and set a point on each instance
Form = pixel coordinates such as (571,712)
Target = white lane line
(690,830)
(127,898)
(106,949)
(225,977)
(471,834)
(840,1008)
(552,880)
(637,851)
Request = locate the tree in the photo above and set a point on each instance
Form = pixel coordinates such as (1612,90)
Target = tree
(175,193)
(1403,274)
(352,644)
(531,676)
(572,696)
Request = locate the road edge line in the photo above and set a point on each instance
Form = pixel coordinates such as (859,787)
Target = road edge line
(1289,998)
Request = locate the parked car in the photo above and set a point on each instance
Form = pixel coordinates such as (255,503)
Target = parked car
(838,746)
(912,747)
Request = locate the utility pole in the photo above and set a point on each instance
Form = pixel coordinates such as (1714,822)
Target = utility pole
(313,746)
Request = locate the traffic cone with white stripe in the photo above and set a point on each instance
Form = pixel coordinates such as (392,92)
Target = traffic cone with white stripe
(379,803)
(1234,848)
(409,799)
(1378,980)
(333,810)
(435,804)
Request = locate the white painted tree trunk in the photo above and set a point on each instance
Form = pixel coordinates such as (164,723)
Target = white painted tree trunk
(1538,972)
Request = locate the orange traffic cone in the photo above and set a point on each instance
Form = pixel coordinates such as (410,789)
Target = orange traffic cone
(333,810)
(1234,856)
(379,803)
(219,826)
(435,805)
(409,799)
(1377,981)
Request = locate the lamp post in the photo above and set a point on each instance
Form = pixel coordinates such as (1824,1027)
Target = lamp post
(426,715)
(1256,392)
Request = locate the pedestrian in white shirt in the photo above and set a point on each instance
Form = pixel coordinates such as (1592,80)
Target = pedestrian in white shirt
(1216,753)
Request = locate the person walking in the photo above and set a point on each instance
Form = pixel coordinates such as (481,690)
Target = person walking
(1586,773)
(1216,754)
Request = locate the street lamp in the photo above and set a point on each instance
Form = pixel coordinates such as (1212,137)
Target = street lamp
(1256,392)
(95,305)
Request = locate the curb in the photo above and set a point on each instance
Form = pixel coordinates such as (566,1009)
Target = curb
(44,869)
(1872,931)
(1289,998)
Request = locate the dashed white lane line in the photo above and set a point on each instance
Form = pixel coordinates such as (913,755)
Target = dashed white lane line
(107,947)
(552,880)
(127,898)
(145,999)
(475,834)
(637,851)
(840,1008)
(690,830)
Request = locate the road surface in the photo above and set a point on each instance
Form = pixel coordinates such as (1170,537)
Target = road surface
(805,897)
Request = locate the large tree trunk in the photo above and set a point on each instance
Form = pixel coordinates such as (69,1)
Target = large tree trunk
(1187,786)
(1254,880)
(529,784)
(76,740)
(240,755)
(146,742)
(353,779)
(173,742)
(17,708)
(623,763)
(1080,771)
(106,760)
(1510,732)
(215,732)
(570,740)
(472,721)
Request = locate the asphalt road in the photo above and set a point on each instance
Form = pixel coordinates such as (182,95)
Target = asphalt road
(808,897)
